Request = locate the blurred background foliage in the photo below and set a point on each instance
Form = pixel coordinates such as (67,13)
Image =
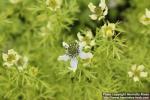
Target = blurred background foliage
(33,30)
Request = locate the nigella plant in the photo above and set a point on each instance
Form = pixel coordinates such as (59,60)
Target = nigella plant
(73,50)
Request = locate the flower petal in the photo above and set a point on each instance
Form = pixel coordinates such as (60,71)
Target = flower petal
(135,78)
(63,58)
(8,64)
(81,45)
(93,16)
(22,62)
(4,56)
(92,43)
(89,34)
(140,67)
(133,67)
(102,4)
(74,63)
(130,74)
(84,55)
(11,51)
(65,45)
(80,37)
(101,17)
(91,7)
(143,74)
(105,12)
(87,47)
(147,13)
(112,25)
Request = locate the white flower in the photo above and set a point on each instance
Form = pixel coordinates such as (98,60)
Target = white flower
(43,31)
(53,4)
(10,58)
(86,39)
(33,71)
(137,72)
(145,19)
(46,29)
(15,1)
(108,30)
(98,12)
(21,63)
(73,50)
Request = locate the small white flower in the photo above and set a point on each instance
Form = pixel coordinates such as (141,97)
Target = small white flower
(108,30)
(33,71)
(137,72)
(73,50)
(21,63)
(15,1)
(53,4)
(10,58)
(145,19)
(98,12)
(43,31)
(86,39)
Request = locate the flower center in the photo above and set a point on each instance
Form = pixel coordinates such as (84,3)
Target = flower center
(53,3)
(87,40)
(136,73)
(146,19)
(11,57)
(109,31)
(33,71)
(73,49)
(98,11)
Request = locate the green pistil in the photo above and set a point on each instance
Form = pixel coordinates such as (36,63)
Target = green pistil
(98,11)
(87,39)
(147,19)
(136,73)
(53,3)
(11,57)
(108,29)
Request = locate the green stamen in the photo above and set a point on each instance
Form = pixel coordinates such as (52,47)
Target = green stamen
(73,49)
(53,3)
(11,57)
(136,73)
(98,11)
